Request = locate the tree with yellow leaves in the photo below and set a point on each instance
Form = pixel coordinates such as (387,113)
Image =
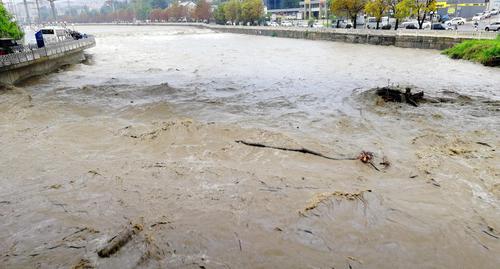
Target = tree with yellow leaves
(418,8)
(348,8)
(377,8)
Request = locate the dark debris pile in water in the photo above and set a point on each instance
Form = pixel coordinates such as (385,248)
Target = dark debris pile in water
(395,94)
(401,94)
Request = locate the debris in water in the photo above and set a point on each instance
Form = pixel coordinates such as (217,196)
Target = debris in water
(83,264)
(319,198)
(117,242)
(159,223)
(55,186)
(491,232)
(434,182)
(301,150)
(394,94)
(95,173)
(385,162)
(354,259)
(484,144)
(367,157)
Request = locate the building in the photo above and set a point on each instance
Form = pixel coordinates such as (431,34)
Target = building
(495,4)
(314,8)
(283,7)
(298,9)
(188,5)
(462,8)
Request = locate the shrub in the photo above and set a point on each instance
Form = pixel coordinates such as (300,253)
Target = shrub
(486,52)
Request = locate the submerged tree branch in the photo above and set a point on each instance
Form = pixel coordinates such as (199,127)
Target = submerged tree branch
(301,150)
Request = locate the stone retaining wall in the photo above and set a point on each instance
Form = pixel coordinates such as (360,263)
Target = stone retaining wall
(404,41)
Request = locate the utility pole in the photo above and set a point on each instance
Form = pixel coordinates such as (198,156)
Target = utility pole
(28,19)
(38,10)
(53,7)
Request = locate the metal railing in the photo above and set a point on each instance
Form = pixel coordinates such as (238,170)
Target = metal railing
(29,53)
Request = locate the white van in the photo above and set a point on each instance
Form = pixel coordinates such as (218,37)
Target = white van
(54,34)
(371,22)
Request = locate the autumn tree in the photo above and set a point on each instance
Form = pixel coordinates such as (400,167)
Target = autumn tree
(157,15)
(377,9)
(418,8)
(398,11)
(175,11)
(232,10)
(202,10)
(348,8)
(252,10)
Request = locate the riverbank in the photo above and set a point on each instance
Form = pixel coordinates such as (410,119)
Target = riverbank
(486,52)
(421,39)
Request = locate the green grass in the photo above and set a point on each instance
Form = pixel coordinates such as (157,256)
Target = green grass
(486,52)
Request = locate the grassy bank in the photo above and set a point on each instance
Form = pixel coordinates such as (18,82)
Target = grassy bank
(486,52)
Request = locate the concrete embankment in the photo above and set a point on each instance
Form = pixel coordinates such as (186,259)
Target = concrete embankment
(19,66)
(385,38)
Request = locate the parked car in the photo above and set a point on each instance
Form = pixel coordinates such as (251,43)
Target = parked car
(478,17)
(441,26)
(493,27)
(318,25)
(443,18)
(410,26)
(407,24)
(386,27)
(344,24)
(7,45)
(494,11)
(286,24)
(274,24)
(456,21)
(302,24)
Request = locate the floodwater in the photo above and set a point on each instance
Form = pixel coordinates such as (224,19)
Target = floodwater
(144,133)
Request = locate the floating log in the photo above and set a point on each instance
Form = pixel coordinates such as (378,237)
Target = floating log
(117,242)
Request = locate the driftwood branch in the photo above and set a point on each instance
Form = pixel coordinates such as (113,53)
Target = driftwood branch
(301,150)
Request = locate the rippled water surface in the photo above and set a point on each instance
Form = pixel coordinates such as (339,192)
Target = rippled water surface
(144,132)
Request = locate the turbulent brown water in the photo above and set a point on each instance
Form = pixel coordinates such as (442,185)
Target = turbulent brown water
(144,132)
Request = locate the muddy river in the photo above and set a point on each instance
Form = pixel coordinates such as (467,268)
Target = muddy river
(139,142)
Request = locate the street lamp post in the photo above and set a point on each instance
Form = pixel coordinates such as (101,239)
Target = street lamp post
(38,11)
(53,8)
(28,19)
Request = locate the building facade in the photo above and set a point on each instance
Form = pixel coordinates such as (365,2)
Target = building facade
(495,4)
(283,7)
(301,9)
(461,8)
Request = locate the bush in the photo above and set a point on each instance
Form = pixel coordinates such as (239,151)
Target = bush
(486,52)
(9,28)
